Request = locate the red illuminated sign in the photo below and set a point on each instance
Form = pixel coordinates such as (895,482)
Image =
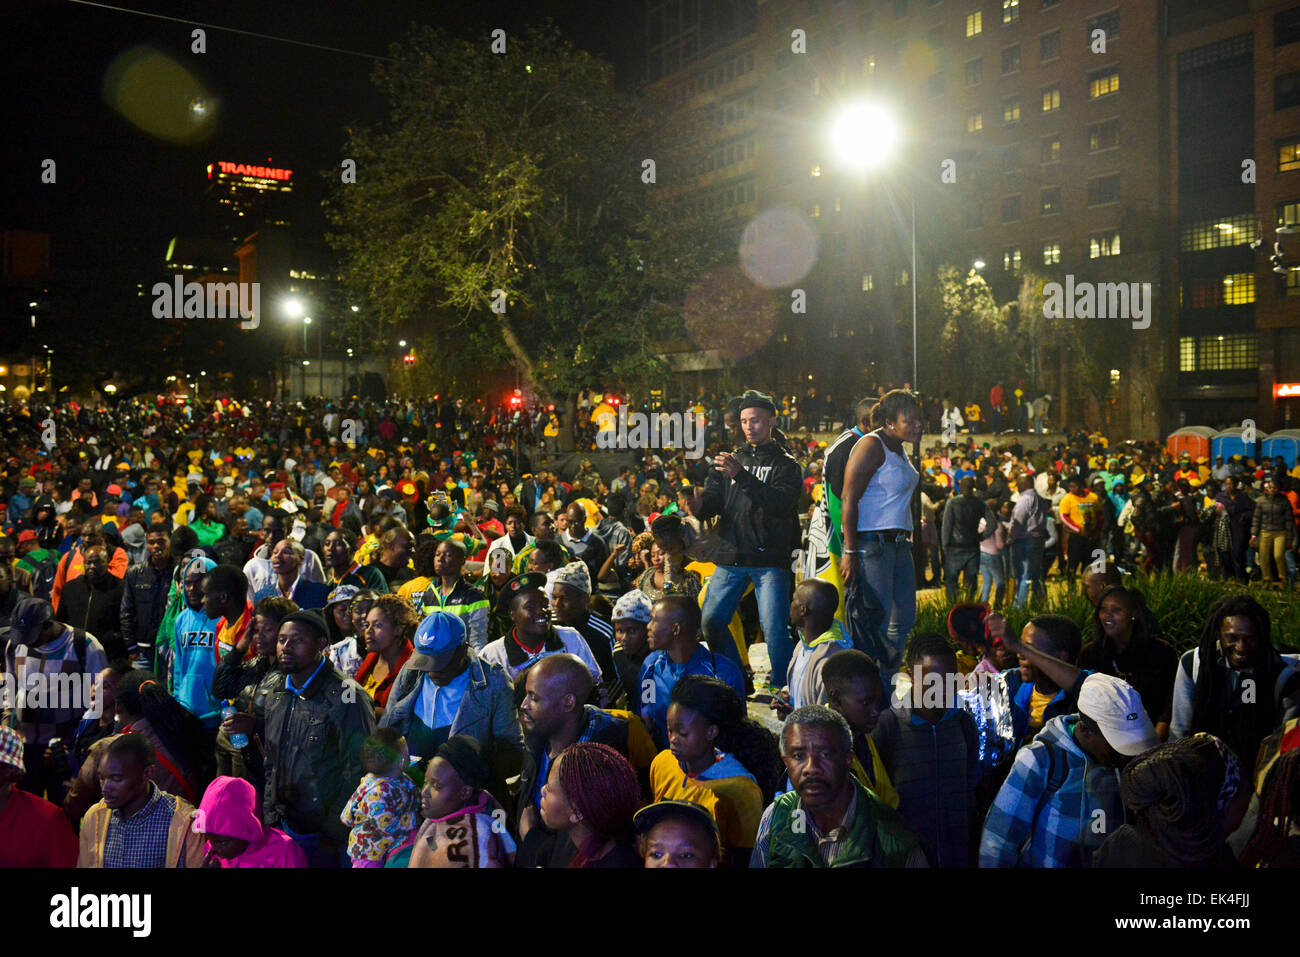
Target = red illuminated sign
(1285,389)
(258,172)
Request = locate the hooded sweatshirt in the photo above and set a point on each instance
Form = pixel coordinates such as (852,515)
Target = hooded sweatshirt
(229,808)
(1056,807)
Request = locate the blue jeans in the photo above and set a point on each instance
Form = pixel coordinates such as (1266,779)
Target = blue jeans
(772,590)
(880,601)
(990,575)
(1027,560)
(960,561)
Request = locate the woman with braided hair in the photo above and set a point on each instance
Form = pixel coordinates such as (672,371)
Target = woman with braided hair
(1276,841)
(719,758)
(1183,800)
(590,796)
(1235,685)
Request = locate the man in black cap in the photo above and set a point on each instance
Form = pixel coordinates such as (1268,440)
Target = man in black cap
(532,636)
(755,490)
(316,721)
(53,664)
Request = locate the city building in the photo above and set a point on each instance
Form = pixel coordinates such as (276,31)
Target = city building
(1079,141)
(243,197)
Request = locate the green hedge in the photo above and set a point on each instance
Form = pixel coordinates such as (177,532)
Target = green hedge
(1180,602)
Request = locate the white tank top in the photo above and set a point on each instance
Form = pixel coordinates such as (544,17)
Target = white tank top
(887,502)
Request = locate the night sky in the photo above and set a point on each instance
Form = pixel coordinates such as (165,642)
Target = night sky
(121,194)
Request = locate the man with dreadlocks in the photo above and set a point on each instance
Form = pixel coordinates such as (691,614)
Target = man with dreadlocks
(718,758)
(1236,685)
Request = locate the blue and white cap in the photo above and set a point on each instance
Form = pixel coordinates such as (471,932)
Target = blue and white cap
(437,636)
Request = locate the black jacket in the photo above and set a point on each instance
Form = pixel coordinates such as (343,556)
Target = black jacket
(94,608)
(758,506)
(313,752)
(144,601)
(961,521)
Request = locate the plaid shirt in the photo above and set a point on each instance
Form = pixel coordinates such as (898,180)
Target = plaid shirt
(142,840)
(1030,827)
(37,672)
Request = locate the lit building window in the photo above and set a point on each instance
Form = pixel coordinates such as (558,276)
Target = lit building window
(867,282)
(1288,155)
(1103,83)
(974,23)
(1051,254)
(1051,98)
(1218,233)
(974,122)
(1101,245)
(1011,260)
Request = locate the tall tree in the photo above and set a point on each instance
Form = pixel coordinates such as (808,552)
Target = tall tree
(508,192)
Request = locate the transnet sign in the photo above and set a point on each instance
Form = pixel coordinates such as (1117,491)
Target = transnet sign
(257,172)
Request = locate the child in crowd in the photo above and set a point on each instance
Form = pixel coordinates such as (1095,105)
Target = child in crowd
(717,758)
(854,689)
(385,806)
(462,821)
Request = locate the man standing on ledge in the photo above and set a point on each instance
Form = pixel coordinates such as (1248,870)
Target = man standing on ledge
(754,490)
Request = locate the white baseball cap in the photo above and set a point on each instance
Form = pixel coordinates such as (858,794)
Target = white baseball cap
(1117,710)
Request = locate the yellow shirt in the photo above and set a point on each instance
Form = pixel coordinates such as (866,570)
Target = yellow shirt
(1038,702)
(736,803)
(883,788)
(1080,512)
(415,589)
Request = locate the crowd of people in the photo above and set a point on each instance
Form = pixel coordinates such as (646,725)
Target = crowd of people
(393,635)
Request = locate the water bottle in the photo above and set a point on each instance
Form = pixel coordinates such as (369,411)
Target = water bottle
(238,741)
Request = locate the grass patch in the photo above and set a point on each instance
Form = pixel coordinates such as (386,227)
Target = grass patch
(1181,603)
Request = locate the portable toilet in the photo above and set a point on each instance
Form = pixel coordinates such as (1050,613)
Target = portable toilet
(1286,443)
(1229,443)
(1192,439)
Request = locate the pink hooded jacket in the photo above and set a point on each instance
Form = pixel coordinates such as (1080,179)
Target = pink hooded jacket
(229,808)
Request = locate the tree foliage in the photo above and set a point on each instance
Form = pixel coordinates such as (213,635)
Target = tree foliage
(519,172)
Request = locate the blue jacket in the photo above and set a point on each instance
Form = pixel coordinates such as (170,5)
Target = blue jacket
(659,669)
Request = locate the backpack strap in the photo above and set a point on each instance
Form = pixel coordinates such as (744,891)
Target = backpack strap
(79,645)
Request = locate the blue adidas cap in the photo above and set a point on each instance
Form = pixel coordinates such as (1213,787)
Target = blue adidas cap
(439,634)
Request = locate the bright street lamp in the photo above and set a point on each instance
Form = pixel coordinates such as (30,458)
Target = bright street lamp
(864,136)
(293,308)
(978,264)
